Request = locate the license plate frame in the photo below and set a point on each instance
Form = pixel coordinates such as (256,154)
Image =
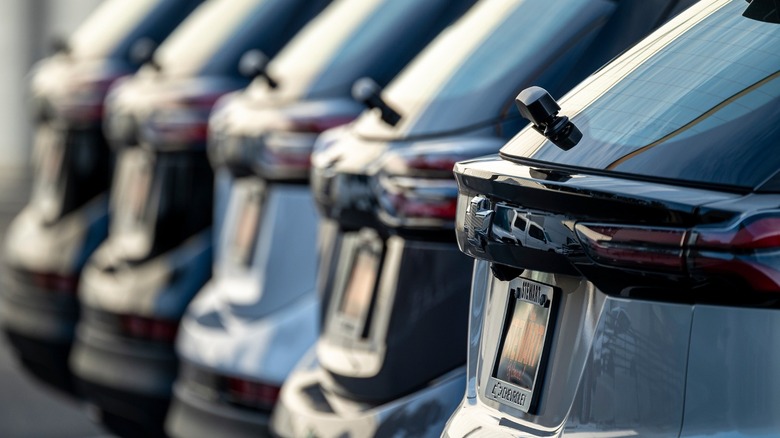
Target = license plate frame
(520,361)
(357,285)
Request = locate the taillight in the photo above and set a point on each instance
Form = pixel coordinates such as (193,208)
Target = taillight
(634,247)
(82,101)
(282,152)
(179,122)
(320,124)
(251,394)
(56,283)
(413,200)
(748,248)
(148,329)
(417,188)
(176,125)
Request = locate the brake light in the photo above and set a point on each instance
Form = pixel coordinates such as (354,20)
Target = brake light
(407,205)
(748,248)
(285,152)
(418,189)
(149,329)
(180,122)
(317,125)
(634,247)
(251,394)
(57,283)
(82,101)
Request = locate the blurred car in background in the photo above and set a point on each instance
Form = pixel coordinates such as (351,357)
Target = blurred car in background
(390,359)
(652,310)
(258,315)
(67,217)
(137,284)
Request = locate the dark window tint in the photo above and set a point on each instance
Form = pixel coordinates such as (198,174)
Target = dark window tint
(108,25)
(536,233)
(698,100)
(520,223)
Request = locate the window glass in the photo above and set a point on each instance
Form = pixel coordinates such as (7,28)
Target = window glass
(470,64)
(204,33)
(698,100)
(105,27)
(536,232)
(520,223)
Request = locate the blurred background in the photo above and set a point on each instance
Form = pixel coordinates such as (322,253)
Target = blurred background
(28,29)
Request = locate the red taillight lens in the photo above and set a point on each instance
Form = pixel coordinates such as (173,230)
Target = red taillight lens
(634,247)
(251,394)
(750,234)
(149,329)
(748,248)
(285,152)
(57,283)
(418,189)
(317,125)
(410,207)
(180,122)
(82,102)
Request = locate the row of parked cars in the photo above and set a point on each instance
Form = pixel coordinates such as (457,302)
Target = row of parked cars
(245,220)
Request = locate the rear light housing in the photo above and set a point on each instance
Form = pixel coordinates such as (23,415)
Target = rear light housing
(280,153)
(148,328)
(179,124)
(83,103)
(748,249)
(236,391)
(77,101)
(250,394)
(63,284)
(415,186)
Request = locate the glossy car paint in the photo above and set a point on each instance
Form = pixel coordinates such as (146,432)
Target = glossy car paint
(637,349)
(137,285)
(454,103)
(257,315)
(48,244)
(264,306)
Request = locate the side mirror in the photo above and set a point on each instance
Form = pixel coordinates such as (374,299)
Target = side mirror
(537,106)
(253,64)
(367,92)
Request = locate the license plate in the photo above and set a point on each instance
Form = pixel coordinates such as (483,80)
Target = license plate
(520,360)
(359,285)
(247,224)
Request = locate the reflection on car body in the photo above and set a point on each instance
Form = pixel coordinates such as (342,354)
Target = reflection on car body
(665,273)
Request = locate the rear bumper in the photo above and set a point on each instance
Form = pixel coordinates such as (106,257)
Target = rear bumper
(128,381)
(305,408)
(36,313)
(193,416)
(40,325)
(45,360)
(124,412)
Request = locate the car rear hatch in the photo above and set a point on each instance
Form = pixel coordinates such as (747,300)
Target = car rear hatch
(668,201)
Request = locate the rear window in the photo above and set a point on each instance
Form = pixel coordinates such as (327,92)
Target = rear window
(698,100)
(210,40)
(103,31)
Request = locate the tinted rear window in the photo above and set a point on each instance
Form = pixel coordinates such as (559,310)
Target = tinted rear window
(105,28)
(698,100)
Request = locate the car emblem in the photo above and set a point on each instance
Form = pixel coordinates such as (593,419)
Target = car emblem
(477,223)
